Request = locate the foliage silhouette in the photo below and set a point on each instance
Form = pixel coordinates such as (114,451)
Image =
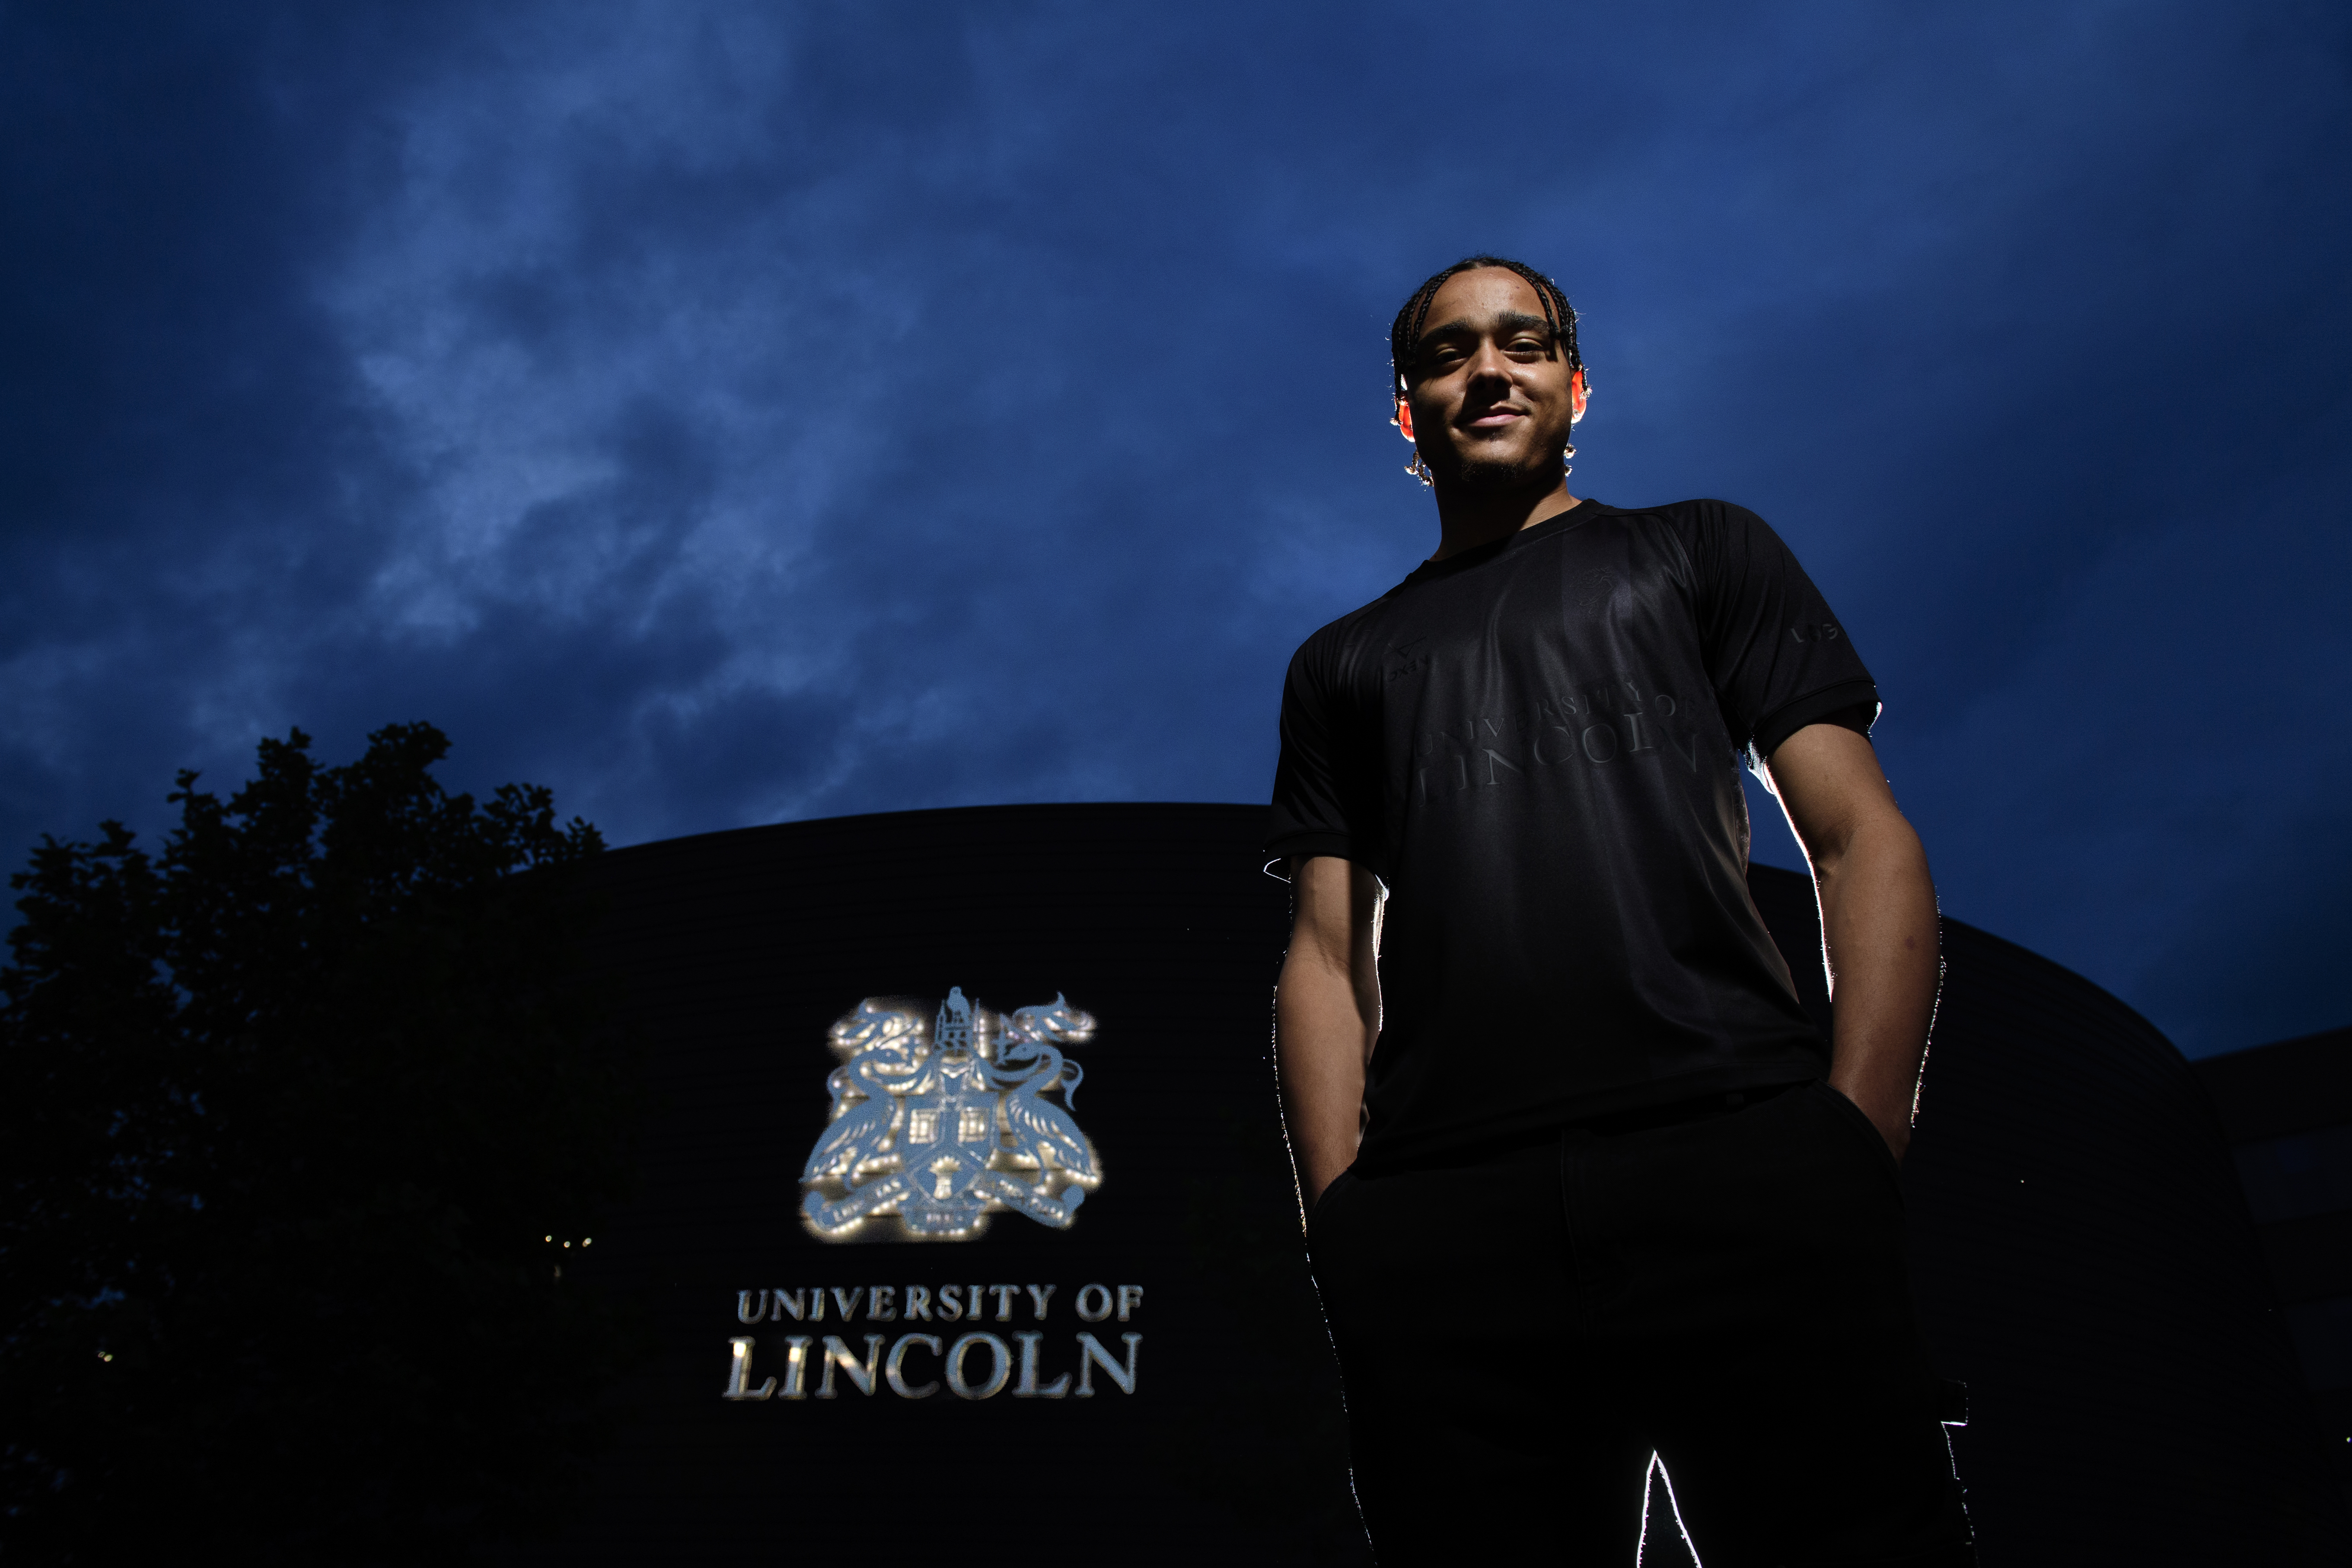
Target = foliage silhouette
(296,1116)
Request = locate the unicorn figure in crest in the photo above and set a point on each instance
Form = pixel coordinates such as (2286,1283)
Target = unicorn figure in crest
(941,1119)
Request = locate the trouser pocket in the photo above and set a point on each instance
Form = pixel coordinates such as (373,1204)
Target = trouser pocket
(1858,1126)
(1323,1200)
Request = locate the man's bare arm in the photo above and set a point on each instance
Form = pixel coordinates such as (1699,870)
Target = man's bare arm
(1878,918)
(1326,1014)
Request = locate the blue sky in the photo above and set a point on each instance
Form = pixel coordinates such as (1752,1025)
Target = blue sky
(733,413)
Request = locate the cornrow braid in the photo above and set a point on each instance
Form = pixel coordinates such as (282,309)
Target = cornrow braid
(1405,334)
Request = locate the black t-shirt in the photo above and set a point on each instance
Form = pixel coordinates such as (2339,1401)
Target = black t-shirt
(1533,745)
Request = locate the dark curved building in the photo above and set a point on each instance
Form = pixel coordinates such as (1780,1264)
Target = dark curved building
(2286,1109)
(2083,1259)
(1059,1303)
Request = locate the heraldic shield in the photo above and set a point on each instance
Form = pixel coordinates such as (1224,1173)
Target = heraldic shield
(942,1120)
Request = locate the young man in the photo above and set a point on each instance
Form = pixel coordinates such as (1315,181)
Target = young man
(1579,1184)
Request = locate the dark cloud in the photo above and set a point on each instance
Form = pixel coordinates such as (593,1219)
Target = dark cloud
(726,412)
(190,468)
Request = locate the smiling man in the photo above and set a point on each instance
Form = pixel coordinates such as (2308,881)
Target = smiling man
(1582,1183)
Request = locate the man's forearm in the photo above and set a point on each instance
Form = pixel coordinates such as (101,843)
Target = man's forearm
(1327,1013)
(1319,1049)
(1880,927)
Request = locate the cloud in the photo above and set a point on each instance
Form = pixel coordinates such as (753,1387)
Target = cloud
(728,413)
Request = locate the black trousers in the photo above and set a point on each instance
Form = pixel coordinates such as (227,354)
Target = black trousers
(1725,1290)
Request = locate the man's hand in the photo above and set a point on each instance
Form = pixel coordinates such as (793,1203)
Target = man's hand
(1326,1015)
(1879,926)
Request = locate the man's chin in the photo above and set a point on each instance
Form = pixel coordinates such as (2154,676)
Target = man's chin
(1495,476)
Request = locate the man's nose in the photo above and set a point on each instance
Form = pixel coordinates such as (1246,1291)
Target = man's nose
(1488,360)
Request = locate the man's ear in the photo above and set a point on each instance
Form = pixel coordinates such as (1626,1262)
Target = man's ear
(1577,397)
(1403,420)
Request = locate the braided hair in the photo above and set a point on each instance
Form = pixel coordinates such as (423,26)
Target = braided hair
(1404,335)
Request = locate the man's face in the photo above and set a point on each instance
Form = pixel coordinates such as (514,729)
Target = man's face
(1492,397)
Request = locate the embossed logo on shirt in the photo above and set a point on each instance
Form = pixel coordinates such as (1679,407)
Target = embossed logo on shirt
(1407,658)
(1594,725)
(1592,591)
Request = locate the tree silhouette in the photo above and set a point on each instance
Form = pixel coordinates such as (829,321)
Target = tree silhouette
(296,1116)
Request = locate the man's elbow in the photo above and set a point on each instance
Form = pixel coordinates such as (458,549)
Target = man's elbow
(1899,839)
(1880,840)
(1890,849)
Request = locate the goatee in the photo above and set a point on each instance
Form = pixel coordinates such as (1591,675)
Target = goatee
(1492,478)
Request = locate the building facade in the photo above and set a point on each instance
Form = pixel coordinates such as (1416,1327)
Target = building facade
(2286,1109)
(967,1227)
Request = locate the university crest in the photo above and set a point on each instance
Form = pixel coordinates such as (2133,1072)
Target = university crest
(942,1120)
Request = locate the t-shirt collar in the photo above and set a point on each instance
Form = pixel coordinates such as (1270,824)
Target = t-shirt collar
(1559,522)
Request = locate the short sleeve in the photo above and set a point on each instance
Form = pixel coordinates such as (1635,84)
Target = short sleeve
(1320,783)
(1778,657)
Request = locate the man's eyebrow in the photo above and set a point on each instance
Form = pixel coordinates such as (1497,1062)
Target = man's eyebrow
(1506,322)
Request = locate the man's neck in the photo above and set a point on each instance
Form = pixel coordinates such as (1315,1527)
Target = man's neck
(1468,519)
